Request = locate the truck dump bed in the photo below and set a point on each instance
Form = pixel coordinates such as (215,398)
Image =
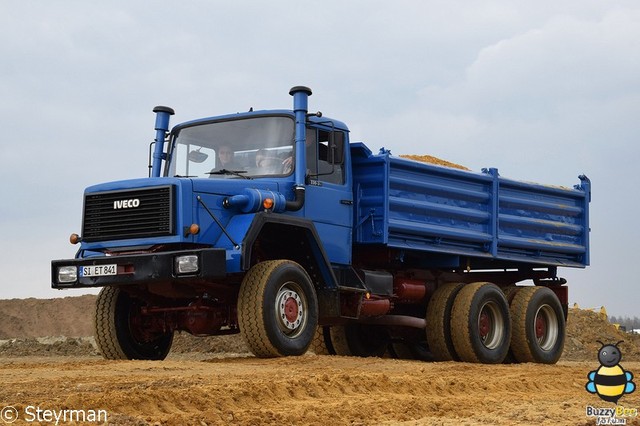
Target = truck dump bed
(451,213)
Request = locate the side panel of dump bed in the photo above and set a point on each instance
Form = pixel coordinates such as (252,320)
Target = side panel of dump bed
(415,206)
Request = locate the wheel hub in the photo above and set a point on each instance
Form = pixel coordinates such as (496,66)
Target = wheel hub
(541,327)
(484,325)
(546,327)
(290,308)
(490,325)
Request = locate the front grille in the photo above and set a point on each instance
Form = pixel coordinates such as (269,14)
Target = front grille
(117,215)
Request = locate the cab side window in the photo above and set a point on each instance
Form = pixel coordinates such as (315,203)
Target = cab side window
(325,154)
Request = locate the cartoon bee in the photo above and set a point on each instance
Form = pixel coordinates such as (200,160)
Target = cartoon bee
(610,381)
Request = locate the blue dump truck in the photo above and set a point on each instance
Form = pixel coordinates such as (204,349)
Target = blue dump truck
(272,224)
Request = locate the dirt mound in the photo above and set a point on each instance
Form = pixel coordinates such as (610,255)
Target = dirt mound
(585,328)
(68,316)
(183,343)
(49,346)
(186,343)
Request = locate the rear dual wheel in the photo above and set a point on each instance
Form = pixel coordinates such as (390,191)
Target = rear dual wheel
(538,325)
(473,323)
(481,324)
(438,319)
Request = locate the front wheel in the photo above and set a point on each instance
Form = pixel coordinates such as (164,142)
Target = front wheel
(123,332)
(277,309)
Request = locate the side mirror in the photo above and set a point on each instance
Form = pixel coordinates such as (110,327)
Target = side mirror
(336,147)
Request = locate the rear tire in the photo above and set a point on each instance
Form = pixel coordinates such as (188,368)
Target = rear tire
(277,309)
(439,322)
(362,340)
(338,340)
(480,324)
(408,343)
(509,294)
(538,326)
(120,331)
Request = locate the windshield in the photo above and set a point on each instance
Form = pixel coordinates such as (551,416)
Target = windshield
(242,148)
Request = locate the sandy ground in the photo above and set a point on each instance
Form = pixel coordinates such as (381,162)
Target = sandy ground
(307,390)
(214,381)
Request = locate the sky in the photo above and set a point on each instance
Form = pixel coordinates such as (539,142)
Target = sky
(544,91)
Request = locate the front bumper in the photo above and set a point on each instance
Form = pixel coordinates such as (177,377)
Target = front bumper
(144,269)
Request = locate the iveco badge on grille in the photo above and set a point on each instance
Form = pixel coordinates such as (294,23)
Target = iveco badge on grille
(126,204)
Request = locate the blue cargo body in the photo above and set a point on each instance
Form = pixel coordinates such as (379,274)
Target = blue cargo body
(409,205)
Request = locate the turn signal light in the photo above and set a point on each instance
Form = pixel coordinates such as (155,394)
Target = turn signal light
(267,203)
(74,238)
(194,229)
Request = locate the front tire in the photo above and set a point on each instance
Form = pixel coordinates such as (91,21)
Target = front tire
(120,331)
(538,326)
(480,324)
(277,309)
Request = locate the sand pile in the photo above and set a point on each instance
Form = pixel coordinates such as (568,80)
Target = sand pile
(433,160)
(68,316)
(585,328)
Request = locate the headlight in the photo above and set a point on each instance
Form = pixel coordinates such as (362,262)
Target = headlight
(67,274)
(186,264)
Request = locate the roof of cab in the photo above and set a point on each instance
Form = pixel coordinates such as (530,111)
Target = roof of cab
(262,113)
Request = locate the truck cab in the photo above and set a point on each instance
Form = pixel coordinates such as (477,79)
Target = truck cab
(225,194)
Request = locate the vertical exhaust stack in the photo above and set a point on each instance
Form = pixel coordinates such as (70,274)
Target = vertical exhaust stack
(162,127)
(300,107)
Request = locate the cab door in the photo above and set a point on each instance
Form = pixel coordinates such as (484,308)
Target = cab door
(329,198)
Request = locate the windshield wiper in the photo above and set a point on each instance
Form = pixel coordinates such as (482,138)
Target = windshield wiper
(230,172)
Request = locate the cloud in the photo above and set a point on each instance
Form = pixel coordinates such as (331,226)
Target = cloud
(546,93)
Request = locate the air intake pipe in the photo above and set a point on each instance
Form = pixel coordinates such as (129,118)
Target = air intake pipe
(300,107)
(162,127)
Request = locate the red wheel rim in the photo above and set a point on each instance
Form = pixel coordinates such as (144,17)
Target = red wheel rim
(291,309)
(491,325)
(541,327)
(484,324)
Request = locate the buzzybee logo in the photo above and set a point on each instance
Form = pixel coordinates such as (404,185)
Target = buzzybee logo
(610,382)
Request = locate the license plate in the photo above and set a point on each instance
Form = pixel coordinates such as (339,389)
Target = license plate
(98,270)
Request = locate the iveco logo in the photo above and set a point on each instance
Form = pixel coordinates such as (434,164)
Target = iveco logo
(126,204)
